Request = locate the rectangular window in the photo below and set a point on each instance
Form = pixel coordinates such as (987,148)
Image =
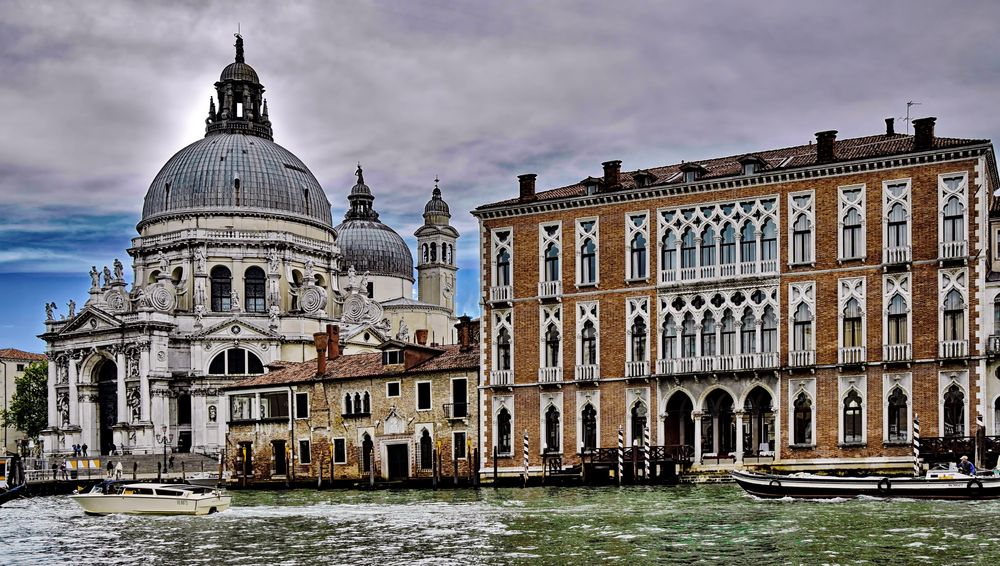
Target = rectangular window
(423,396)
(240,407)
(392,389)
(459,398)
(391,357)
(305,452)
(339,451)
(302,405)
(458,446)
(20,367)
(274,405)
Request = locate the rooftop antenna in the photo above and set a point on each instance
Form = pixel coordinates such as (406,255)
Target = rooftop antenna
(909,103)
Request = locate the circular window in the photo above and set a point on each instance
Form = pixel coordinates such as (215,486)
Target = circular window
(235,329)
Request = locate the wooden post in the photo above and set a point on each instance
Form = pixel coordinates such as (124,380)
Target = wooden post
(495,452)
(183,471)
(159,471)
(434,468)
(371,467)
(525,445)
(454,467)
(621,453)
(319,477)
(635,461)
(135,470)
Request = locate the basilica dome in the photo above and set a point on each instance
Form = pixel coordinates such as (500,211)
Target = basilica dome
(366,243)
(237,168)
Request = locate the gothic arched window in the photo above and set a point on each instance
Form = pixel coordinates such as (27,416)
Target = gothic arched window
(589,422)
(802,419)
(552,346)
(898,421)
(954,411)
(503,431)
(639,340)
(853,431)
(668,338)
(552,429)
(503,350)
(222,289)
(588,344)
(954,316)
(426,451)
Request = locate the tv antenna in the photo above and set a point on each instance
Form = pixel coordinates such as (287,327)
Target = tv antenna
(909,103)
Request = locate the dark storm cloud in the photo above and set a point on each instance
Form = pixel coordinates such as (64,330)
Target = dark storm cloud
(96,99)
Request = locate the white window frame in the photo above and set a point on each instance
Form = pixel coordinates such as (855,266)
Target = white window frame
(945,380)
(846,384)
(454,444)
(891,285)
(582,398)
(497,245)
(546,315)
(333,446)
(631,230)
(399,384)
(801,293)
(430,395)
(794,212)
(843,207)
(795,386)
(308,451)
(944,194)
(588,311)
(543,241)
(889,383)
(636,307)
(852,288)
(948,280)
(595,234)
(888,201)
(502,318)
(554,399)
(504,402)
(295,409)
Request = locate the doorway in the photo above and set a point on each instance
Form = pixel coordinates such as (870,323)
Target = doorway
(399,461)
(184,441)
(280,460)
(107,404)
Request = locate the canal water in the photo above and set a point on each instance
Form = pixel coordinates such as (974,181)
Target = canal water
(715,524)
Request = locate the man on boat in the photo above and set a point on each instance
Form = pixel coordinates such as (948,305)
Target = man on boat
(966,467)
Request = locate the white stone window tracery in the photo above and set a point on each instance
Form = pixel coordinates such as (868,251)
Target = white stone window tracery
(851,222)
(801,228)
(503,340)
(588,265)
(802,323)
(550,252)
(897,222)
(853,409)
(502,256)
(953,214)
(636,246)
(550,334)
(852,322)
(637,331)
(588,337)
(897,390)
(953,328)
(802,411)
(897,321)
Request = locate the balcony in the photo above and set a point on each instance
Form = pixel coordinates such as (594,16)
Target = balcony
(705,273)
(953,348)
(952,250)
(896,255)
(667,276)
(637,369)
(502,377)
(708,364)
(588,372)
(550,375)
(851,356)
(456,411)
(666,367)
(896,353)
(549,289)
(501,294)
(802,358)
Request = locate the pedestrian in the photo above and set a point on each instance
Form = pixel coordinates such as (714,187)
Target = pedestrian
(76,450)
(118,470)
(171,461)
(84,450)
(966,467)
(62,468)
(111,468)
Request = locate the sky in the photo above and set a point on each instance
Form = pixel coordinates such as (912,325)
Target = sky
(96,97)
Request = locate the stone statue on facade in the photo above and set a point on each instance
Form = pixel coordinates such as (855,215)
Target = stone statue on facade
(272,260)
(95,278)
(107,276)
(199,259)
(62,405)
(119,270)
(364,283)
(140,297)
(49,307)
(132,401)
(352,277)
(310,278)
(213,413)
(272,314)
(72,308)
(199,313)
(404,333)
(164,264)
(234,300)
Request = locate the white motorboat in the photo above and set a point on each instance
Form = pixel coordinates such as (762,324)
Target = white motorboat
(208,479)
(151,499)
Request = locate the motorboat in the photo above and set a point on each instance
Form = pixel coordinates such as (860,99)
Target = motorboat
(140,498)
(936,484)
(208,479)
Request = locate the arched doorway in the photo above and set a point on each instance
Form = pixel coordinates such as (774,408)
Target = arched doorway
(718,424)
(678,425)
(758,423)
(106,374)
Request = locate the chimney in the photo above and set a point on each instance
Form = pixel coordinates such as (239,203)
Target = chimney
(422,336)
(890,126)
(923,133)
(527,184)
(612,172)
(824,146)
(464,327)
(320,340)
(333,342)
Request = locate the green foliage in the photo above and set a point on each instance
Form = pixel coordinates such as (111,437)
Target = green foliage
(28,411)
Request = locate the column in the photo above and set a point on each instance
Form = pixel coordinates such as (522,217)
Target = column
(739,438)
(53,416)
(696,416)
(122,406)
(144,385)
(74,397)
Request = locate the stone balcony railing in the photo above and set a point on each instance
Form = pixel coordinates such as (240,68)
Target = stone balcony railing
(588,372)
(952,250)
(550,374)
(502,377)
(852,355)
(953,348)
(802,358)
(205,234)
(549,289)
(501,293)
(696,274)
(896,255)
(702,364)
(896,353)
(637,369)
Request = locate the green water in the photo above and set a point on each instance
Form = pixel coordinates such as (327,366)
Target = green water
(684,525)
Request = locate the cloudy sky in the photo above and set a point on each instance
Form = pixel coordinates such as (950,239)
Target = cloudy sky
(96,97)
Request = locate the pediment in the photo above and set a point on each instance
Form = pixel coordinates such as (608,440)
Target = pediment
(90,319)
(234,328)
(364,335)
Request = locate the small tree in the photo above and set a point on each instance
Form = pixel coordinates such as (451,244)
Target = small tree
(28,410)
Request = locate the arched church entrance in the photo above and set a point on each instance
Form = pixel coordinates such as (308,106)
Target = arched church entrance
(107,403)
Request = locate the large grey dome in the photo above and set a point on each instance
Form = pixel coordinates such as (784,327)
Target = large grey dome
(370,245)
(233,173)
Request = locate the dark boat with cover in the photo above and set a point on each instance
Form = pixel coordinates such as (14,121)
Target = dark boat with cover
(937,484)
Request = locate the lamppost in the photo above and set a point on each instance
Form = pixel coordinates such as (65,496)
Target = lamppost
(164,439)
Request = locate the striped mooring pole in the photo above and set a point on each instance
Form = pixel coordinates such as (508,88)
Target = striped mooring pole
(645,453)
(525,456)
(621,453)
(916,447)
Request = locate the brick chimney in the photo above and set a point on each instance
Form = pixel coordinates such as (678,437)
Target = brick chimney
(527,184)
(824,146)
(612,173)
(320,339)
(333,342)
(464,327)
(421,336)
(890,126)
(923,133)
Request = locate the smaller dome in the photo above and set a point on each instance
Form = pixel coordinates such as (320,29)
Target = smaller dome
(239,72)
(437,205)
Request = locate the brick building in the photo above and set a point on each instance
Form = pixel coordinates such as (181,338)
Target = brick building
(13,362)
(383,412)
(794,307)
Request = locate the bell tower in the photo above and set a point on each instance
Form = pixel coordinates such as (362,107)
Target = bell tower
(436,266)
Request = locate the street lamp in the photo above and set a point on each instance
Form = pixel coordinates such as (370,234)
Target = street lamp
(164,439)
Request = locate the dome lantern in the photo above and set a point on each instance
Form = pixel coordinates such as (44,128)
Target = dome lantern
(366,243)
(242,109)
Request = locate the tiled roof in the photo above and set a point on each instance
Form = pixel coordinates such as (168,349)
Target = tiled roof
(851,149)
(358,365)
(15,354)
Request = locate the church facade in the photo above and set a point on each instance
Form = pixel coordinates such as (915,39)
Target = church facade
(236,265)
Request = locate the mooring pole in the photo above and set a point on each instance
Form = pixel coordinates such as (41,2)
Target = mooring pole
(495,452)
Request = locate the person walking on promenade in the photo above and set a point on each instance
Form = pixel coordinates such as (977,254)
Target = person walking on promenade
(84,450)
(118,470)
(62,469)
(111,469)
